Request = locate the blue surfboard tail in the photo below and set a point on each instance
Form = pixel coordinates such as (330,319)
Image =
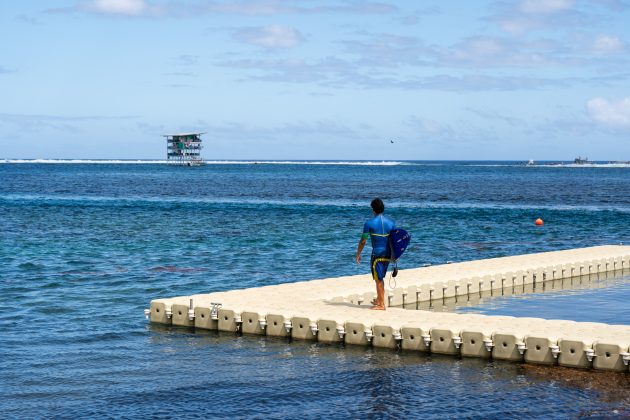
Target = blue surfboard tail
(398,242)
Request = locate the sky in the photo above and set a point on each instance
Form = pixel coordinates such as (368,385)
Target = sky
(307,79)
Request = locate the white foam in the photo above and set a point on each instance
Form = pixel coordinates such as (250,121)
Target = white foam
(209,162)
(585,165)
(83,161)
(304,162)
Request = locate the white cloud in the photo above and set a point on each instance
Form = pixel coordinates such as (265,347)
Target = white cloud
(607,44)
(530,15)
(545,6)
(610,113)
(118,7)
(481,48)
(274,36)
(195,8)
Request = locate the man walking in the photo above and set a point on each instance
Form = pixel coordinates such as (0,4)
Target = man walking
(377,228)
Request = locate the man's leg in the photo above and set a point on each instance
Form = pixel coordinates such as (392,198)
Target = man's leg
(379,302)
(380,293)
(379,270)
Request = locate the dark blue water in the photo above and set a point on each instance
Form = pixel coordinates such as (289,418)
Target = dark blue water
(85,247)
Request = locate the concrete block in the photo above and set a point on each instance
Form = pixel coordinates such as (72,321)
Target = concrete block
(385,336)
(448,289)
(564,271)
(495,284)
(354,298)
(368,297)
(602,265)
(445,340)
(395,296)
(279,325)
(575,352)
(180,316)
(427,292)
(538,275)
(327,331)
(591,267)
(476,342)
(226,320)
(303,328)
(412,338)
(158,312)
(460,287)
(485,284)
(500,282)
(438,290)
(542,348)
(517,280)
(203,319)
(412,295)
(618,263)
(472,285)
(507,344)
(252,322)
(609,355)
(358,333)
(585,268)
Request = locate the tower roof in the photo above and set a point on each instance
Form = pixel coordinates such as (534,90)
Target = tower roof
(182,134)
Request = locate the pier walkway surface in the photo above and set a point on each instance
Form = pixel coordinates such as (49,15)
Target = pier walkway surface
(337,310)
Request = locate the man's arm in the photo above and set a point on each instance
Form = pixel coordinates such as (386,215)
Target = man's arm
(364,236)
(362,242)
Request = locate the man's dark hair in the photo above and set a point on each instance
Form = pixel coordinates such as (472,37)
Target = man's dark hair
(377,206)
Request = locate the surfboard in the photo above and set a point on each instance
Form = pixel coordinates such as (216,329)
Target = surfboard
(398,242)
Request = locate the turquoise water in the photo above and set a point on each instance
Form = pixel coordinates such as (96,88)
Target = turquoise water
(85,247)
(602,297)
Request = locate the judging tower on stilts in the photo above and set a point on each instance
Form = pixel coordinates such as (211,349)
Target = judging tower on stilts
(184,149)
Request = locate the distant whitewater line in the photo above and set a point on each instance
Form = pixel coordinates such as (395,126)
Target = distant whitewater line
(95,200)
(328,162)
(96,161)
(305,162)
(585,165)
(209,162)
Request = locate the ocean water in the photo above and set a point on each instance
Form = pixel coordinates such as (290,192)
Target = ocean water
(85,247)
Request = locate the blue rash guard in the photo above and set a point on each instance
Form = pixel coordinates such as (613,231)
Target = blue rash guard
(378,229)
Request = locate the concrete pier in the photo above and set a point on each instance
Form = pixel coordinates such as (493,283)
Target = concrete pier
(337,310)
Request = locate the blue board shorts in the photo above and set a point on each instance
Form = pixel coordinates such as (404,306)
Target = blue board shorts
(379,266)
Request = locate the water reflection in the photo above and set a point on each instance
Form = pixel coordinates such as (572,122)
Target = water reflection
(337,380)
(487,300)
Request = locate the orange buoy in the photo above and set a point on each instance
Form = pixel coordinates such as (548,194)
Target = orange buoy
(539,222)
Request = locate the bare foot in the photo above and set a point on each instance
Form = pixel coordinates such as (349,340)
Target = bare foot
(377,308)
